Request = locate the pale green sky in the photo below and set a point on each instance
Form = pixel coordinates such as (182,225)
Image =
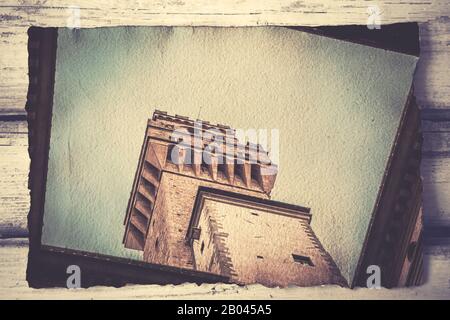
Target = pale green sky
(336,105)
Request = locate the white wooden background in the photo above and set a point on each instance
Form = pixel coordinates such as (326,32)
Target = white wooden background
(432,85)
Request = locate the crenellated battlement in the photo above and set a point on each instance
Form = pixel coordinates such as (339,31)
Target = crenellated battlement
(211,152)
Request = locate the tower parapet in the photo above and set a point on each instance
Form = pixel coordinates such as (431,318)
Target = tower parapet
(200,201)
(196,149)
(209,152)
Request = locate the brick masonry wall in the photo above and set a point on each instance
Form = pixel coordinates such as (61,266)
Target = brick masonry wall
(256,246)
(165,242)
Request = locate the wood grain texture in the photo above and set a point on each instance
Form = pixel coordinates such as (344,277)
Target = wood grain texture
(432,78)
(14,166)
(13,257)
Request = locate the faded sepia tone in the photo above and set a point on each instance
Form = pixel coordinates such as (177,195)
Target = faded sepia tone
(337,106)
(166,218)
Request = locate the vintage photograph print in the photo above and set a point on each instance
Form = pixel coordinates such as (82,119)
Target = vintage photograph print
(250,155)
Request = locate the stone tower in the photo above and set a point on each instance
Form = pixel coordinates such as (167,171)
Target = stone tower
(200,200)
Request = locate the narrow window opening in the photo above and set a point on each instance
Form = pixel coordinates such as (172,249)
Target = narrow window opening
(306,261)
(202,247)
(157,243)
(254,173)
(259,257)
(221,168)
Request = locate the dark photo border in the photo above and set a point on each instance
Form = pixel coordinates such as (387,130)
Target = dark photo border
(388,240)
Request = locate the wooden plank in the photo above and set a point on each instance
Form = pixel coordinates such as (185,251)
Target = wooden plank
(432,91)
(13,263)
(437,268)
(14,166)
(436,203)
(13,69)
(435,169)
(436,143)
(431,79)
(13,258)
